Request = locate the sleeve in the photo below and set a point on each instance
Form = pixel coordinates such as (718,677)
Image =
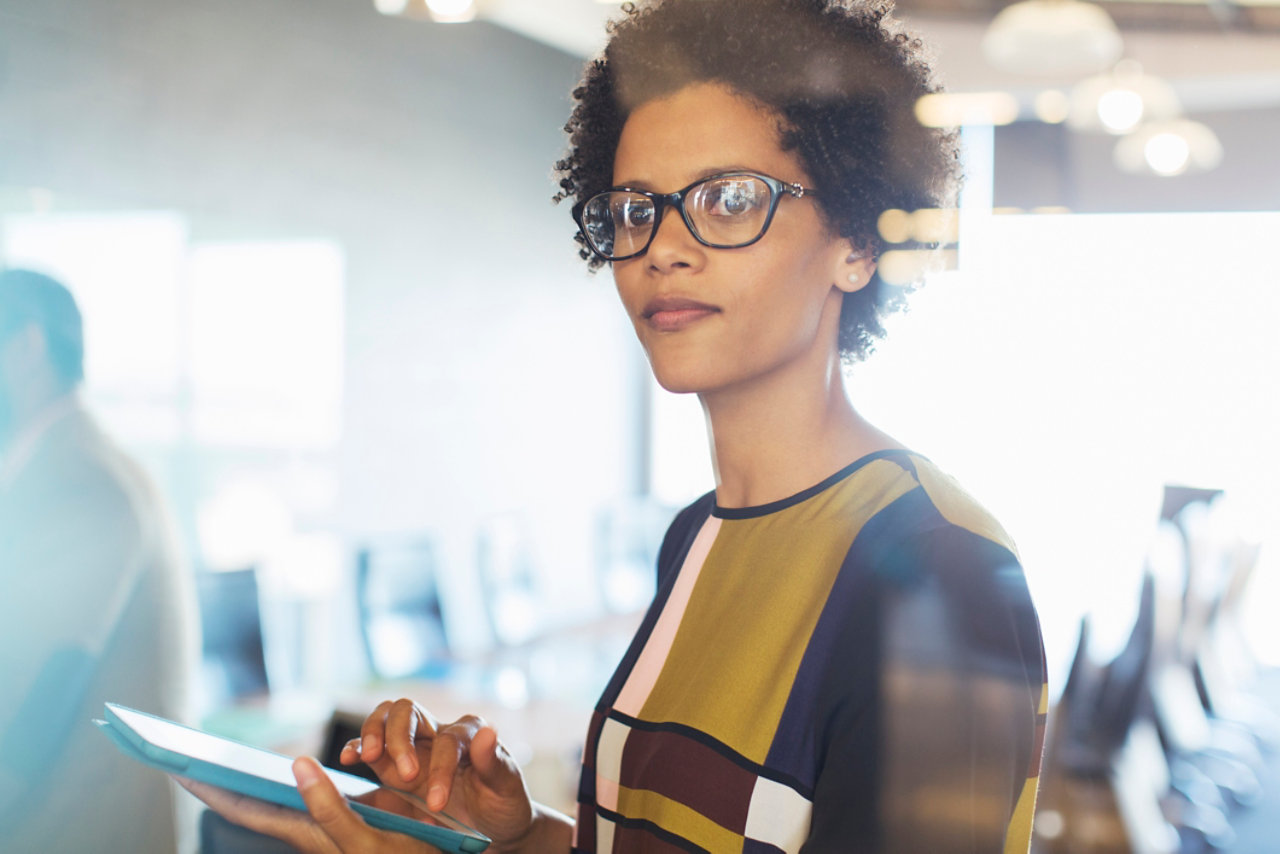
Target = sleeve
(69,575)
(934,735)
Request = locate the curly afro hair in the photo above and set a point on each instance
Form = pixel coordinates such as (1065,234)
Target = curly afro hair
(843,82)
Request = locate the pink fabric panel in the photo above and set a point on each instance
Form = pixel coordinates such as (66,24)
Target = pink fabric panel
(645,674)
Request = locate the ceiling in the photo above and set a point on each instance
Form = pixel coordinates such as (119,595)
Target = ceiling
(1218,53)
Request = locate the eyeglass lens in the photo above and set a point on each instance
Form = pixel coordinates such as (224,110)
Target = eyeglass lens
(725,211)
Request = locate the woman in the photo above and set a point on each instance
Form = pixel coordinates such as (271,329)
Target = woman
(842,654)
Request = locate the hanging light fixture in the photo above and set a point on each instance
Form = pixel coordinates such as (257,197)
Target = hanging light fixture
(1052,37)
(452,11)
(1052,106)
(441,11)
(1120,100)
(1169,148)
(954,109)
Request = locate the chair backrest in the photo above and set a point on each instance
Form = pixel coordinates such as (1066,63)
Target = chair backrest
(509,580)
(402,618)
(1070,745)
(234,664)
(219,836)
(1175,701)
(1208,566)
(628,536)
(342,727)
(1124,679)
(1167,563)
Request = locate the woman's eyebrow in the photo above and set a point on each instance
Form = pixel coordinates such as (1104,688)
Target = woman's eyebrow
(709,172)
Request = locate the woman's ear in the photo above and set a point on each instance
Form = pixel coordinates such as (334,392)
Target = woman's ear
(856,270)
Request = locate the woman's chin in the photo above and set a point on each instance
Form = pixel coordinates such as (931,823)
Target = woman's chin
(680,380)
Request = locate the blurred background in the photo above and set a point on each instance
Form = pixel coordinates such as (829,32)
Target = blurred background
(412,448)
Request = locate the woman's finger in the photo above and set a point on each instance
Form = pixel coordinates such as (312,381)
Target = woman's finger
(330,809)
(450,746)
(405,723)
(493,764)
(383,766)
(372,732)
(351,753)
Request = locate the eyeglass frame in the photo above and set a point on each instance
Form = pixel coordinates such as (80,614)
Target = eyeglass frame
(777,188)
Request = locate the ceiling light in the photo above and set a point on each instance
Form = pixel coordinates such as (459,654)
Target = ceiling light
(1052,106)
(1116,102)
(1052,37)
(1169,148)
(452,11)
(1167,153)
(1120,110)
(906,266)
(894,225)
(954,109)
(923,225)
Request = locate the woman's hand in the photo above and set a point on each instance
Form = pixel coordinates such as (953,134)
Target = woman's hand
(329,826)
(460,768)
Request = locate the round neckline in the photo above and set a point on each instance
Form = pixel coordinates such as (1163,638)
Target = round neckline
(757,510)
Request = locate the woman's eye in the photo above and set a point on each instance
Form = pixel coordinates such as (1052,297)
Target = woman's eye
(637,215)
(734,198)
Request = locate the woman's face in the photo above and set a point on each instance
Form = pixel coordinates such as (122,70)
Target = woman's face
(712,319)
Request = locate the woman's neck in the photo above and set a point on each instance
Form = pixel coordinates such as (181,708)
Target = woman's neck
(779,436)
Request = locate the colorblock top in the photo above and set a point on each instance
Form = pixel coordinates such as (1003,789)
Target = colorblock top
(855,668)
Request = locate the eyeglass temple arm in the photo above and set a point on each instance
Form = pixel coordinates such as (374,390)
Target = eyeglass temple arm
(797,189)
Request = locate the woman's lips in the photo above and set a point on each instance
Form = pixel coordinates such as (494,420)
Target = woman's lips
(669,314)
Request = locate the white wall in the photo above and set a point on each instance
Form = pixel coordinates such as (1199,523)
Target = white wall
(485,370)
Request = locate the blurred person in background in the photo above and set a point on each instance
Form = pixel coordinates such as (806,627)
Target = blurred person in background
(842,655)
(95,604)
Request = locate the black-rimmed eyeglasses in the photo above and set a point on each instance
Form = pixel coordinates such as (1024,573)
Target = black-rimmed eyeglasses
(724,212)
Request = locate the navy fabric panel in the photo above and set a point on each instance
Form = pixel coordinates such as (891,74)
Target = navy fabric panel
(928,599)
(836,665)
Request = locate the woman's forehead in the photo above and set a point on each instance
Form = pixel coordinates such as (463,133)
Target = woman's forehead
(698,130)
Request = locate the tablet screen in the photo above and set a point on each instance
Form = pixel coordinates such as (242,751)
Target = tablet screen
(230,754)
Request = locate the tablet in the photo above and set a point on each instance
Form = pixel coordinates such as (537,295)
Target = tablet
(227,764)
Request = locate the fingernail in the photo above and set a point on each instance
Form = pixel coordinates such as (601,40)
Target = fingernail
(366,744)
(435,797)
(405,766)
(306,775)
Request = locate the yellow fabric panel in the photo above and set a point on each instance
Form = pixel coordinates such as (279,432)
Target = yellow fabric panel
(1018,838)
(1021,823)
(750,617)
(957,506)
(677,818)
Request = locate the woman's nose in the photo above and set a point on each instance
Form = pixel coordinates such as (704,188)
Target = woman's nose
(674,246)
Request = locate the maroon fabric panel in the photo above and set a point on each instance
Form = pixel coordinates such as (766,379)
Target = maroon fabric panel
(635,840)
(690,773)
(586,824)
